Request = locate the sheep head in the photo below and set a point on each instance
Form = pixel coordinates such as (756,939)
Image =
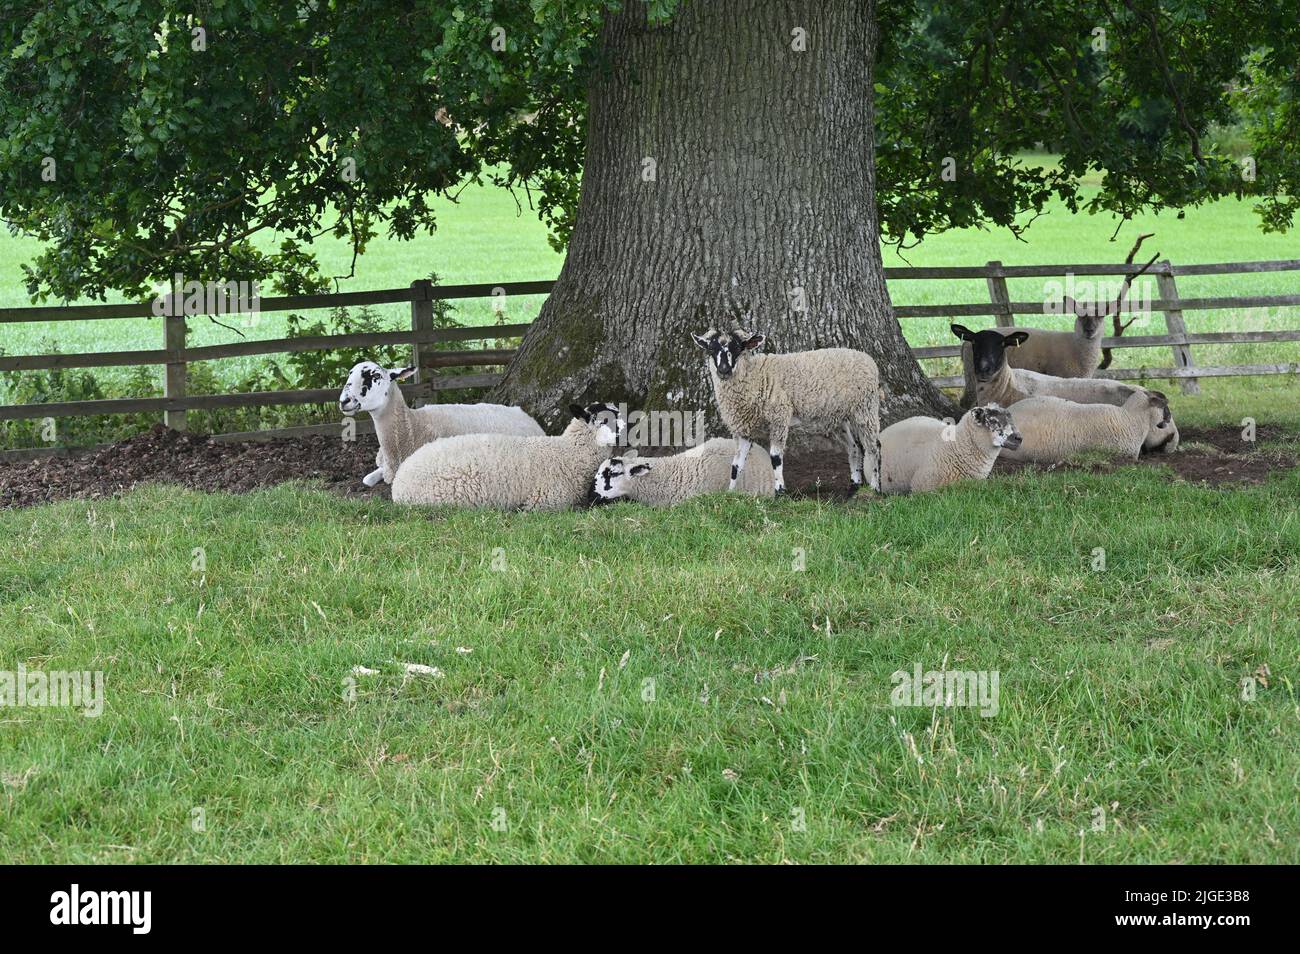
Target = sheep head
(613,474)
(603,421)
(989,348)
(726,348)
(998,422)
(367,387)
(1162,432)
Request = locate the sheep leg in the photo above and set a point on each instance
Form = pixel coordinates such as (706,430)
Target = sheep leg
(776,449)
(866,424)
(374,477)
(855,449)
(738,462)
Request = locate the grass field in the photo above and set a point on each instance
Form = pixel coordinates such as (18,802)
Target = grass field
(710,683)
(624,684)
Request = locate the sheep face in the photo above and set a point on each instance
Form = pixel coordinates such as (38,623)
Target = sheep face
(611,428)
(997,421)
(989,348)
(725,349)
(1087,320)
(613,475)
(1162,433)
(367,387)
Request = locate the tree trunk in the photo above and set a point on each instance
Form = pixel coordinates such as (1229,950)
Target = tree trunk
(729,179)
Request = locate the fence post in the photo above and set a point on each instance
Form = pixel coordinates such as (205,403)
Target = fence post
(1174,322)
(174,376)
(421,320)
(999,295)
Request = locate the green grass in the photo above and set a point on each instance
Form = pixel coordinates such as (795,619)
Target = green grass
(226,689)
(227,692)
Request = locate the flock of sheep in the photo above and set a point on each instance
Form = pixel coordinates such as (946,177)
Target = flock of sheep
(1033,395)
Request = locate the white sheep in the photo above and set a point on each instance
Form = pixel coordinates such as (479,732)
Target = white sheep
(825,391)
(512,473)
(1053,429)
(924,453)
(1062,354)
(995,381)
(664,481)
(402,430)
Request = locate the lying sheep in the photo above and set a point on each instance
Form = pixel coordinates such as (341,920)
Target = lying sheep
(665,481)
(925,453)
(995,381)
(759,396)
(402,430)
(1053,429)
(508,472)
(1062,354)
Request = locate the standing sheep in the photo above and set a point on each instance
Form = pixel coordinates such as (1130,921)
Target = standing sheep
(664,481)
(1054,429)
(512,473)
(402,430)
(925,453)
(760,396)
(995,381)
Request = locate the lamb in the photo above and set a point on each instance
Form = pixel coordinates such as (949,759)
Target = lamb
(402,430)
(760,396)
(925,453)
(1062,354)
(996,382)
(509,472)
(1054,429)
(665,481)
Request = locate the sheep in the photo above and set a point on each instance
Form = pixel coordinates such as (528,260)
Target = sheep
(665,481)
(402,430)
(996,382)
(825,390)
(1062,354)
(1053,429)
(925,453)
(508,472)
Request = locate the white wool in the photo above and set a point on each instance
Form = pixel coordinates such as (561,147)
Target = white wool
(664,481)
(505,472)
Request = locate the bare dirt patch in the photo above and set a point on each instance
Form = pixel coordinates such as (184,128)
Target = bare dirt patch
(191,460)
(1211,455)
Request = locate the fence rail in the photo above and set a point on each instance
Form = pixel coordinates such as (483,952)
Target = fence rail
(176,355)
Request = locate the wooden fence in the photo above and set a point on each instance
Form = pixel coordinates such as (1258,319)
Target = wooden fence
(175,354)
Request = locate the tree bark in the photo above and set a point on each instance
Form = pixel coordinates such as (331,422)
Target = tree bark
(729,179)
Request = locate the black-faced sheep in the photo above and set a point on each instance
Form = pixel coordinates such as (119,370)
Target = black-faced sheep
(1062,354)
(996,382)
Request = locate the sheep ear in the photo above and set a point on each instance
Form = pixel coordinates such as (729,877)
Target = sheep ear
(401,374)
(580,412)
(1016,339)
(704,341)
(754,342)
(639,469)
(962,332)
